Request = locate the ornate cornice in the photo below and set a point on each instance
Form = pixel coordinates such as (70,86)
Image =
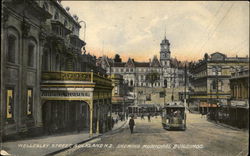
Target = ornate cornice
(5,15)
(25,26)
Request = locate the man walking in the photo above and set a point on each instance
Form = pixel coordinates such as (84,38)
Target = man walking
(149,117)
(131,124)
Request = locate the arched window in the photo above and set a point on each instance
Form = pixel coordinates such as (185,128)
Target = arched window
(45,61)
(165,83)
(131,83)
(31,54)
(11,52)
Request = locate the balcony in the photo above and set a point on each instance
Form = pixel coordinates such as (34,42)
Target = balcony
(75,77)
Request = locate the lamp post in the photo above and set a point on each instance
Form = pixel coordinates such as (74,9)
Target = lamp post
(173,87)
(185,86)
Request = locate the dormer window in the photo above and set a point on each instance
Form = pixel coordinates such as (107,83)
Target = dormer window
(65,23)
(56,16)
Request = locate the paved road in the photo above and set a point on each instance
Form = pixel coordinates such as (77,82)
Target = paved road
(150,139)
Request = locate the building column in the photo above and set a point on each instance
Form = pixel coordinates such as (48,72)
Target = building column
(98,117)
(91,118)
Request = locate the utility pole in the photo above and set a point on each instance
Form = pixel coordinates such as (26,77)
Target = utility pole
(185,85)
(173,87)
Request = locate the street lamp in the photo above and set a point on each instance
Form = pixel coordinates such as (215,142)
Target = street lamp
(173,87)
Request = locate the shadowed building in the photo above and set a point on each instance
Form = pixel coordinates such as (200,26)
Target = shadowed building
(47,83)
(238,105)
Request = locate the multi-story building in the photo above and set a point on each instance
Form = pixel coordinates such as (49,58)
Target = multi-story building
(135,73)
(46,80)
(22,39)
(210,80)
(120,96)
(238,104)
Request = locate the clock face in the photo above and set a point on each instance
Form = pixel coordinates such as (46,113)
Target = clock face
(165,46)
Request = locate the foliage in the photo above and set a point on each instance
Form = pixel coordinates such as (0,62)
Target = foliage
(152,77)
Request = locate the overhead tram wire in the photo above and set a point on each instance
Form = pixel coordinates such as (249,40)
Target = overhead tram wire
(209,37)
(239,45)
(207,28)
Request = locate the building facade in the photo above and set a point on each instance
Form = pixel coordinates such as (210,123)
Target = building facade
(238,104)
(48,84)
(135,73)
(211,80)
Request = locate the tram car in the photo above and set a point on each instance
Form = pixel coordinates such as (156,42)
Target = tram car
(174,116)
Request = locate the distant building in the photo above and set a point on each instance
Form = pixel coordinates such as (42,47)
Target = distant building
(134,73)
(210,80)
(120,96)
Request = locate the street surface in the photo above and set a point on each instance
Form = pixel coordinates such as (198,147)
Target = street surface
(150,139)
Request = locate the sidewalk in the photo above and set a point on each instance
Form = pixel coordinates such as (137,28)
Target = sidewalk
(49,144)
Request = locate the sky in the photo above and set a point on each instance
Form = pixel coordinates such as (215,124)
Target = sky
(135,29)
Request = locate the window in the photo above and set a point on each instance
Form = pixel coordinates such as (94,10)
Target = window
(216,70)
(219,70)
(65,23)
(56,16)
(11,49)
(219,85)
(131,83)
(162,94)
(148,97)
(29,101)
(31,49)
(165,83)
(131,70)
(141,77)
(45,61)
(10,104)
(116,89)
(121,69)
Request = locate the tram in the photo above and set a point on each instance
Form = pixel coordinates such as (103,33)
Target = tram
(174,116)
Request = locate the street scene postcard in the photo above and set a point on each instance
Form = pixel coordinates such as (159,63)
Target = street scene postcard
(124,78)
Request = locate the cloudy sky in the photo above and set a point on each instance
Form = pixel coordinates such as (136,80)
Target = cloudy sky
(135,28)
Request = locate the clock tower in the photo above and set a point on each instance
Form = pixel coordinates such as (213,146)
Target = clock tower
(165,52)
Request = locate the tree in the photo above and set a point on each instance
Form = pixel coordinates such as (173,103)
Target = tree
(152,77)
(117,58)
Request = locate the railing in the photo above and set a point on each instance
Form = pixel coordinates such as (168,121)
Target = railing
(70,76)
(99,80)
(76,76)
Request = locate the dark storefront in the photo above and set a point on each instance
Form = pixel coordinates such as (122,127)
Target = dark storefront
(62,116)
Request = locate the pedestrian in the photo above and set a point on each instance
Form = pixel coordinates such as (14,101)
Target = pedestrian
(203,114)
(142,116)
(131,124)
(148,117)
(113,122)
